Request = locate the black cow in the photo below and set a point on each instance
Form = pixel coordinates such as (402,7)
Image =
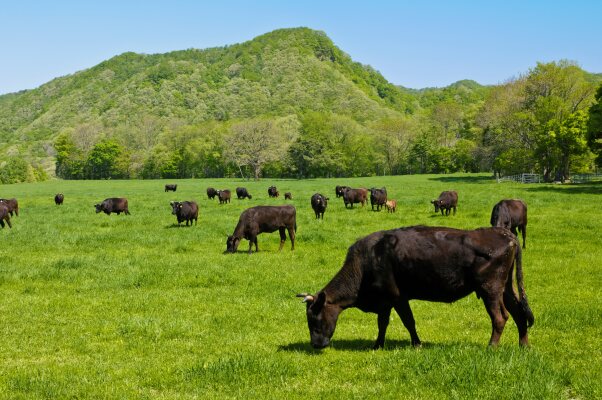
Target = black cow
(12,205)
(171,187)
(340,190)
(242,193)
(185,211)
(351,196)
(288,196)
(224,196)
(378,198)
(386,269)
(58,199)
(211,193)
(256,220)
(511,214)
(446,201)
(319,204)
(116,205)
(4,215)
(273,192)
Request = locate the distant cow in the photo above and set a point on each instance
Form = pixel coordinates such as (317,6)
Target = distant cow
(340,190)
(116,205)
(211,193)
(58,199)
(224,196)
(4,215)
(288,196)
(352,196)
(185,211)
(256,220)
(12,205)
(511,214)
(273,192)
(446,201)
(387,269)
(378,198)
(391,206)
(171,187)
(242,193)
(319,203)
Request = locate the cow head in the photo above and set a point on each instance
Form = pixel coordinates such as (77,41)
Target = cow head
(232,244)
(250,197)
(321,318)
(437,204)
(98,208)
(175,207)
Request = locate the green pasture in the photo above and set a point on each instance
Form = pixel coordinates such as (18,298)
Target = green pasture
(120,307)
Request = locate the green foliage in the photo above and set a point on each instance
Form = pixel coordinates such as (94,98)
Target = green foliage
(594,127)
(16,170)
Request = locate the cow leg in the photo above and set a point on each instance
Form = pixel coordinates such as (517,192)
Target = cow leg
(291,235)
(523,229)
(251,241)
(282,237)
(496,310)
(454,210)
(518,315)
(2,223)
(383,323)
(405,313)
(256,247)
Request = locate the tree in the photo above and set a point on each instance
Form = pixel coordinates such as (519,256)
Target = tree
(107,159)
(254,143)
(594,126)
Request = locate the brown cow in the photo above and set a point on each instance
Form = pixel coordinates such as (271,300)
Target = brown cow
(340,190)
(511,214)
(58,199)
(387,269)
(273,192)
(12,205)
(211,193)
(351,196)
(319,203)
(256,220)
(391,205)
(171,187)
(378,197)
(224,196)
(185,211)
(4,215)
(446,201)
(288,196)
(115,205)
(243,193)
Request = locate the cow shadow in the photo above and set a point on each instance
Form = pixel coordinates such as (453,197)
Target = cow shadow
(359,345)
(176,226)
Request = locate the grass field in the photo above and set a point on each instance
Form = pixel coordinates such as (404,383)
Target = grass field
(97,306)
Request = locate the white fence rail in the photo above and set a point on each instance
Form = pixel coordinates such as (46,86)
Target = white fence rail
(584,178)
(522,178)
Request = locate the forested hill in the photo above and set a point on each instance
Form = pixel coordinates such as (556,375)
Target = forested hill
(183,114)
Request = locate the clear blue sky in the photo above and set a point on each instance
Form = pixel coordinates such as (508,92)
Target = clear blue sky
(412,43)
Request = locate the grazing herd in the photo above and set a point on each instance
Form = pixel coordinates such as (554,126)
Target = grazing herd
(386,269)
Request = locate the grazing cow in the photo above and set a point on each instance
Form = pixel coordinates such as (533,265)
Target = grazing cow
(351,196)
(319,204)
(58,199)
(273,192)
(116,205)
(185,211)
(446,201)
(12,205)
(378,197)
(211,193)
(386,269)
(242,193)
(171,187)
(4,215)
(224,196)
(340,190)
(391,205)
(288,196)
(256,220)
(511,214)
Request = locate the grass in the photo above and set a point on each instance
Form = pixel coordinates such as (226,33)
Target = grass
(96,306)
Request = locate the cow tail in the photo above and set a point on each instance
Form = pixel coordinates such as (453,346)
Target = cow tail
(521,287)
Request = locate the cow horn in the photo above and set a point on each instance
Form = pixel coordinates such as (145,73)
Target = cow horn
(306,297)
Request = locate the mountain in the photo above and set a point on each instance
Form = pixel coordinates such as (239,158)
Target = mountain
(284,72)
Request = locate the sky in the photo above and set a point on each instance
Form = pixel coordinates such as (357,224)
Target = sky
(412,43)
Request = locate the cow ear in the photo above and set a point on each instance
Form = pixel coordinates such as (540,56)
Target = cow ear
(318,303)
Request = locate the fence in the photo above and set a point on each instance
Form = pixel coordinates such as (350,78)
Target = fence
(522,178)
(584,178)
